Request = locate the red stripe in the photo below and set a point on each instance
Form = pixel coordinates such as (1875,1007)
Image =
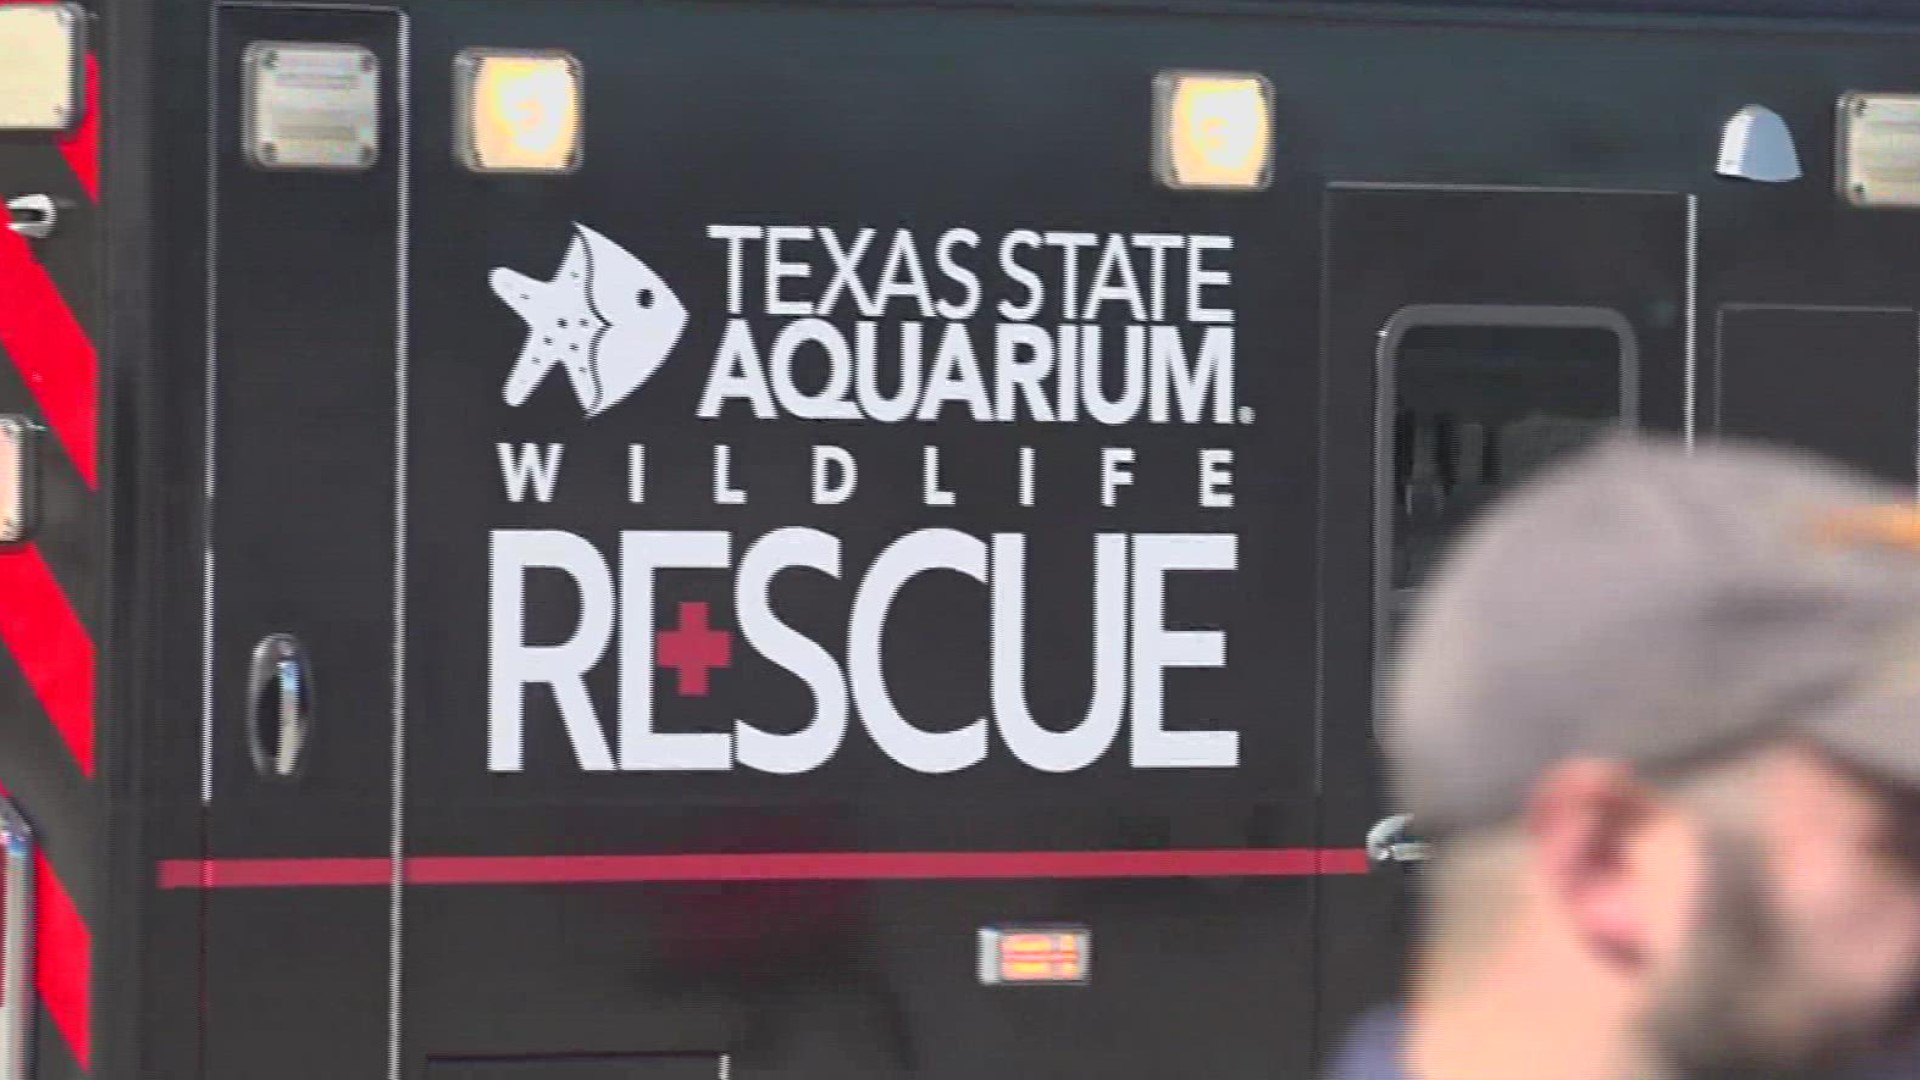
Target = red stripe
(65,967)
(82,147)
(39,627)
(47,344)
(809,866)
(254,873)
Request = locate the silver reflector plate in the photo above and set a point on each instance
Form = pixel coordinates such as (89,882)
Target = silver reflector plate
(312,106)
(40,83)
(1879,151)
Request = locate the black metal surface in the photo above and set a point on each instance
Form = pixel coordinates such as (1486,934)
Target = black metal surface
(302,536)
(1836,9)
(149,988)
(929,119)
(1842,381)
(659,1067)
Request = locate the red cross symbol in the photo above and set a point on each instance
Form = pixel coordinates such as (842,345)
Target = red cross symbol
(693,649)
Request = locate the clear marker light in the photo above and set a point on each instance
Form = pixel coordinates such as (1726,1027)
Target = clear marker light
(1213,131)
(518,111)
(41,84)
(18,472)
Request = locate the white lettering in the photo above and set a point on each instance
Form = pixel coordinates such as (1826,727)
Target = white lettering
(904,278)
(1069,387)
(1156,648)
(1070,244)
(1157,245)
(513,665)
(1114,359)
(1038,746)
(1198,279)
(1122,409)
(877,406)
(1114,281)
(524,465)
(724,493)
(734,235)
(1019,273)
(642,749)
(1170,377)
(845,273)
(968,281)
(737,374)
(1132,649)
(906,558)
(1022,378)
(1114,472)
(779,271)
(930,475)
(831,403)
(956,377)
(1216,479)
(815,744)
(826,459)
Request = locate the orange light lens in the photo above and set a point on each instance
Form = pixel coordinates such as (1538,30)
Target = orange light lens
(1035,955)
(522,112)
(1214,131)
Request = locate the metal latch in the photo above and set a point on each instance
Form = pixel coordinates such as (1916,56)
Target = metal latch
(16,943)
(280,697)
(1389,841)
(33,216)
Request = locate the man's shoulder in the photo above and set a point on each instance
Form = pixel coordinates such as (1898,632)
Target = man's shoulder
(1371,1050)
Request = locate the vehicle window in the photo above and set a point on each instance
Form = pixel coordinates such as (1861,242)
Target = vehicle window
(1476,409)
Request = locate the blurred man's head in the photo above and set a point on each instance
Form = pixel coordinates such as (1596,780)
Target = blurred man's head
(1661,711)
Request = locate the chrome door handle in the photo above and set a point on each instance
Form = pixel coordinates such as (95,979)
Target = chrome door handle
(280,706)
(33,216)
(1391,841)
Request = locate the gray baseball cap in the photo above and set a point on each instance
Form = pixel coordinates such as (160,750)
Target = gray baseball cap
(1651,604)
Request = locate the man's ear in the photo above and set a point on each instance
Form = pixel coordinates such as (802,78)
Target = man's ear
(1590,821)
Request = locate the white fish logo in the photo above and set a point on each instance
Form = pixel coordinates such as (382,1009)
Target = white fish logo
(606,317)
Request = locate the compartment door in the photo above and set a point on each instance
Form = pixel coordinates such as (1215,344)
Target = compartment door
(303,353)
(1472,337)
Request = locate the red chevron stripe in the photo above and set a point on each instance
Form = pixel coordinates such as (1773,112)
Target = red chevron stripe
(64,973)
(50,348)
(63,959)
(36,325)
(82,147)
(38,623)
(39,627)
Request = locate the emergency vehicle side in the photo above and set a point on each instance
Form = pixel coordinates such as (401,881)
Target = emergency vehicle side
(855,571)
(54,616)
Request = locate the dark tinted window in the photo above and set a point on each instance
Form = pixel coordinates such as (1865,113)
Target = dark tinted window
(1478,408)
